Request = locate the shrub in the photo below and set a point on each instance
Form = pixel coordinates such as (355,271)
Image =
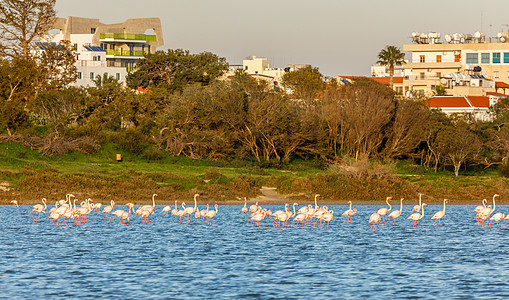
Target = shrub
(131,140)
(213,174)
(504,169)
(153,153)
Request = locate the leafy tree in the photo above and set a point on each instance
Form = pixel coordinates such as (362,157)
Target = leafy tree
(21,21)
(458,144)
(391,56)
(56,66)
(305,83)
(439,90)
(175,69)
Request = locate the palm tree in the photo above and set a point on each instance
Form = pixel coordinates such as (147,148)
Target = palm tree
(391,56)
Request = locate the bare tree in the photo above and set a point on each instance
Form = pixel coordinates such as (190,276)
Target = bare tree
(21,21)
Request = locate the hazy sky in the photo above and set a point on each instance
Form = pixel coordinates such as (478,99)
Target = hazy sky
(339,37)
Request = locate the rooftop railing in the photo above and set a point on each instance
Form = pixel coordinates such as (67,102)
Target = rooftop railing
(125,53)
(126,36)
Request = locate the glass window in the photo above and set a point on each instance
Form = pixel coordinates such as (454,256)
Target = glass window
(472,58)
(91,75)
(495,74)
(496,58)
(118,76)
(79,75)
(457,57)
(421,75)
(439,58)
(506,58)
(422,58)
(485,58)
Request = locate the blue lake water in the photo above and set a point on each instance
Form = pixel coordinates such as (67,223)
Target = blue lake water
(230,259)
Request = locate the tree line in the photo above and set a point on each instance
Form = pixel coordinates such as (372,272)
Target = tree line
(190,108)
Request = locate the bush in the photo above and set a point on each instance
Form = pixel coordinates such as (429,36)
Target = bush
(153,153)
(504,169)
(131,140)
(213,174)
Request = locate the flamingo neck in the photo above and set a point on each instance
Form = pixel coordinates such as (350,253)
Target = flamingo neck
(216,208)
(154,200)
(387,201)
(444,206)
(420,196)
(401,205)
(350,205)
(422,216)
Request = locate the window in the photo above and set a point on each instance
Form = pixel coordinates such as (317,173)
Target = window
(506,58)
(439,74)
(92,30)
(422,58)
(495,74)
(485,58)
(472,58)
(496,58)
(98,58)
(91,75)
(439,58)
(457,57)
(79,75)
(118,76)
(421,75)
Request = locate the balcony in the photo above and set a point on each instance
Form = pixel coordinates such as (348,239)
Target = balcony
(128,53)
(127,37)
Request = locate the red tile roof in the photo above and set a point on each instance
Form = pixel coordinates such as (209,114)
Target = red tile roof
(501,84)
(456,101)
(382,80)
(496,94)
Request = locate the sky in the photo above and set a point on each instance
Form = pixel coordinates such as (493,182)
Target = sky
(338,37)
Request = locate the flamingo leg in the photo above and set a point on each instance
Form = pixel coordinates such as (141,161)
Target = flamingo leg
(30,213)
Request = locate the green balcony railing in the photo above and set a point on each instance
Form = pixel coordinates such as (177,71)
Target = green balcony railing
(126,36)
(125,53)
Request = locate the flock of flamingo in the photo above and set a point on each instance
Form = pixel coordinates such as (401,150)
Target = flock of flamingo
(68,210)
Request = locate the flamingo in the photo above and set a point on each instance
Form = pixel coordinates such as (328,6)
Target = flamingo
(349,213)
(328,216)
(190,210)
(383,211)
(506,218)
(485,213)
(98,206)
(38,208)
(211,213)
(417,216)
(396,213)
(417,208)
(300,217)
(14,203)
(374,219)
(497,217)
(478,209)
(166,209)
(174,212)
(152,208)
(439,214)
(257,217)
(108,209)
(130,206)
(244,209)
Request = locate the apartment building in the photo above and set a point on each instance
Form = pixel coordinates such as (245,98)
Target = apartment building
(465,64)
(106,49)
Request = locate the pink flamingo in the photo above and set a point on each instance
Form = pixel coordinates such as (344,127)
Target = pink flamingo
(38,208)
(174,212)
(396,213)
(383,211)
(210,214)
(108,209)
(417,216)
(439,215)
(478,209)
(190,210)
(14,203)
(257,217)
(497,217)
(327,217)
(374,220)
(166,209)
(244,209)
(300,217)
(349,213)
(417,208)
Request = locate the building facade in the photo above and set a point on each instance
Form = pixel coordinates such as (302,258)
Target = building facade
(463,64)
(106,49)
